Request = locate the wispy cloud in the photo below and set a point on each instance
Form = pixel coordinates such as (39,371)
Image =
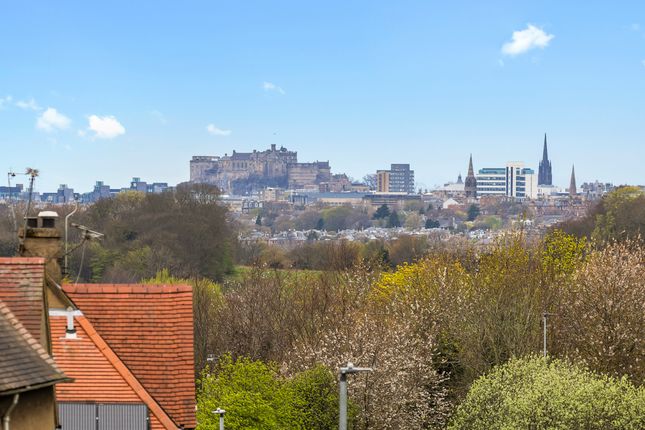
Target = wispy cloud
(105,127)
(28,104)
(51,120)
(158,116)
(5,101)
(643,63)
(216,131)
(524,40)
(635,27)
(270,86)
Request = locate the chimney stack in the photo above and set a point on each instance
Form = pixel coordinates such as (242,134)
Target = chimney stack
(41,238)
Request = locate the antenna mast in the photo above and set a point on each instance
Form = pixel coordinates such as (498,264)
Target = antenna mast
(33,173)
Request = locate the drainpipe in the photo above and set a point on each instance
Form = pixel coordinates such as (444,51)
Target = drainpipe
(6,418)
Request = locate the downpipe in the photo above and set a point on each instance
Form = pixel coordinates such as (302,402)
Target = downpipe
(6,418)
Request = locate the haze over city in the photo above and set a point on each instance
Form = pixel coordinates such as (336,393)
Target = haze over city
(122,89)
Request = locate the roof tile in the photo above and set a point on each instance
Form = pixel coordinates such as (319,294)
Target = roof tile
(100,376)
(23,362)
(150,328)
(22,281)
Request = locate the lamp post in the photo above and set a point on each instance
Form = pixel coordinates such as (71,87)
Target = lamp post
(344,371)
(545,316)
(221,413)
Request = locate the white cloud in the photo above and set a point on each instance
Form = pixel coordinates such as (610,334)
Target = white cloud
(5,101)
(52,120)
(216,131)
(105,127)
(525,40)
(270,86)
(28,104)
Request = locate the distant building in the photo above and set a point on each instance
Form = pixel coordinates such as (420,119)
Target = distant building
(14,192)
(573,189)
(470,186)
(399,179)
(545,174)
(142,186)
(138,185)
(244,172)
(392,200)
(337,183)
(595,190)
(514,180)
(101,191)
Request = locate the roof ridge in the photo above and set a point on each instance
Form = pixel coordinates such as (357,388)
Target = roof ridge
(126,373)
(22,260)
(127,288)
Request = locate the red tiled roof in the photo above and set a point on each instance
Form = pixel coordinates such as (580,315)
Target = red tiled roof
(150,328)
(24,363)
(100,376)
(22,282)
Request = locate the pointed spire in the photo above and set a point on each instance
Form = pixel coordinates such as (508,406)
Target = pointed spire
(545,176)
(470,186)
(573,189)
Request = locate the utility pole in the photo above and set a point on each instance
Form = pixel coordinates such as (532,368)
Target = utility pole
(342,400)
(65,265)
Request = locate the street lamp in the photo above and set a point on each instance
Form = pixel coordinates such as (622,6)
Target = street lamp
(344,371)
(545,316)
(221,413)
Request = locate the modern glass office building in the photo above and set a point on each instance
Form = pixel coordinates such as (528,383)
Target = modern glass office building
(514,180)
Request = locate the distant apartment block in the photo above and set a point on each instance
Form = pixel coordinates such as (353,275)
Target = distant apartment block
(64,194)
(399,179)
(103,191)
(514,180)
(245,172)
(13,192)
(142,186)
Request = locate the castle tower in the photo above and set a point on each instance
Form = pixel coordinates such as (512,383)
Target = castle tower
(545,176)
(573,190)
(470,185)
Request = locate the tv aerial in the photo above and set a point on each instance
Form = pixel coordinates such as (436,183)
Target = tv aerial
(87,233)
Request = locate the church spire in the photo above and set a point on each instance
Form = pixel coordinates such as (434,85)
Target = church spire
(573,189)
(470,185)
(545,176)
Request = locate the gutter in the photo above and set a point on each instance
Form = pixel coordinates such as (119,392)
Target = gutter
(6,418)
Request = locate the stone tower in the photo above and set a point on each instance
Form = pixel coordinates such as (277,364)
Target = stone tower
(470,185)
(545,176)
(573,190)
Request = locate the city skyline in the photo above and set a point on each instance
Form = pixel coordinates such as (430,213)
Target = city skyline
(362,85)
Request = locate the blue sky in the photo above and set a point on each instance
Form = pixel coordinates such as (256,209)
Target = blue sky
(111,90)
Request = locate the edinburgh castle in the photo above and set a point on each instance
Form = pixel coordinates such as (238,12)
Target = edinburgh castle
(244,172)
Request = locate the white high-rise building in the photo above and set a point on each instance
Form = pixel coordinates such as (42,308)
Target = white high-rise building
(514,180)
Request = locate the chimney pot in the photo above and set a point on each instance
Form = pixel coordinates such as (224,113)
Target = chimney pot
(70,332)
(47,219)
